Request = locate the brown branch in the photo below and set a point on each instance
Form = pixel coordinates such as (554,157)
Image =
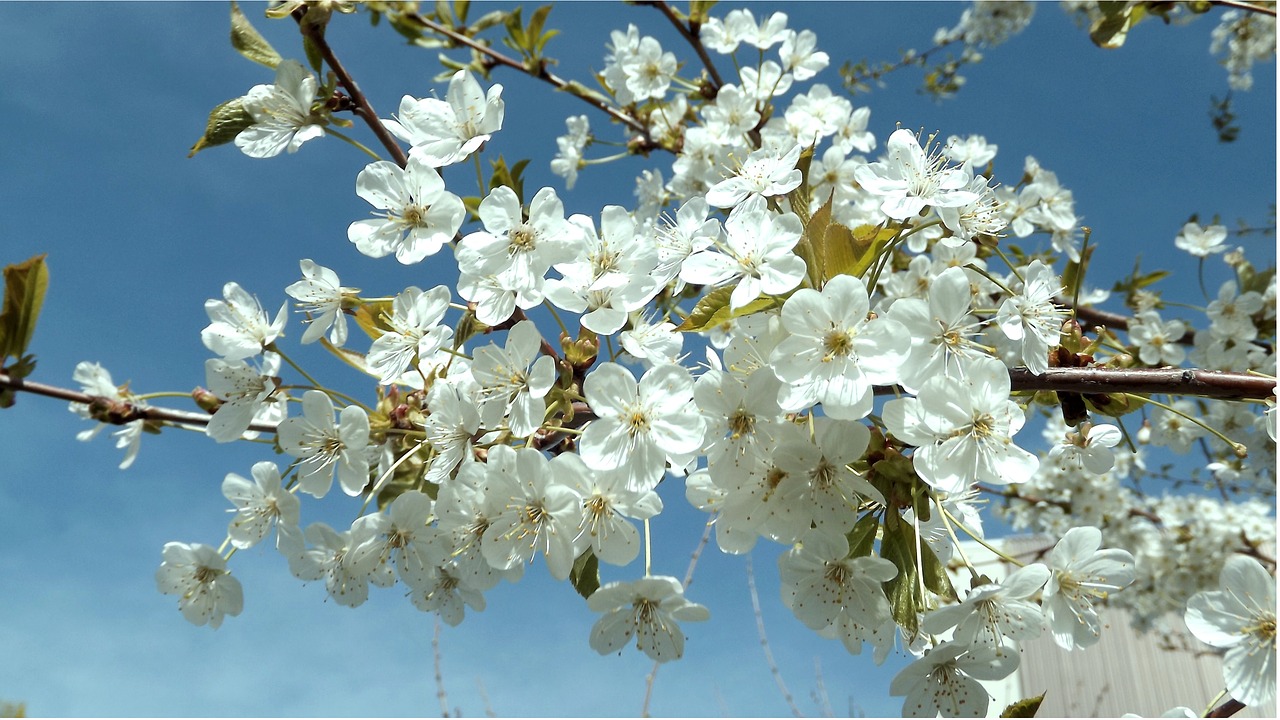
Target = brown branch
(1247,7)
(1116,321)
(364,109)
(1173,381)
(121,412)
(541,73)
(1226,709)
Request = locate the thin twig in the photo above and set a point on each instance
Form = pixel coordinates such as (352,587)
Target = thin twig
(122,413)
(1246,6)
(764,641)
(364,110)
(435,655)
(541,73)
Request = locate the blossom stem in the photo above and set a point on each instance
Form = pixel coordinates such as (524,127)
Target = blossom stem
(946,522)
(352,141)
(648,550)
(1008,262)
(1239,449)
(980,541)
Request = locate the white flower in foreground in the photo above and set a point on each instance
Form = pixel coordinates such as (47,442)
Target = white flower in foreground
(244,392)
(239,327)
(532,508)
(1201,241)
(443,132)
(945,682)
(198,575)
(415,332)
(96,381)
(835,354)
(765,173)
(323,447)
(963,429)
(281,113)
(825,587)
(912,178)
(320,295)
(639,425)
(419,217)
(756,258)
(515,380)
(648,609)
(1032,318)
(259,504)
(1082,572)
(520,251)
(1241,617)
(994,612)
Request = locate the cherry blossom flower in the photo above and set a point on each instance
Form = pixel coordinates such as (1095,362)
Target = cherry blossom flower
(1089,448)
(324,448)
(650,610)
(533,507)
(835,354)
(995,612)
(824,587)
(96,381)
(945,681)
(1081,572)
(963,430)
(1201,241)
(648,70)
(245,392)
(259,505)
(765,173)
(520,251)
(515,379)
(333,558)
(757,256)
(1031,318)
(606,503)
(282,117)
(568,160)
(239,327)
(420,215)
(639,425)
(910,179)
(1241,617)
(198,575)
(443,132)
(415,332)
(1157,339)
(320,295)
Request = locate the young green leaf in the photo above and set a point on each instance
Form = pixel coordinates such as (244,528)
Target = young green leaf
(249,43)
(24,288)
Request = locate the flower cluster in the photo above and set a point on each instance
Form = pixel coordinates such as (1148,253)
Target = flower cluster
(818,277)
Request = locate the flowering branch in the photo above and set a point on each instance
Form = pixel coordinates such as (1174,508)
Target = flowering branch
(538,73)
(687,32)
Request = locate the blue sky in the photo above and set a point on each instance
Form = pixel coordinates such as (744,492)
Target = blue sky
(102,102)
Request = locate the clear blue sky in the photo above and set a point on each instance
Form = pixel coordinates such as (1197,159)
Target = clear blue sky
(101,103)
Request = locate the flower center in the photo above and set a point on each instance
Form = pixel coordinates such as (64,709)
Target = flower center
(414,215)
(522,239)
(836,343)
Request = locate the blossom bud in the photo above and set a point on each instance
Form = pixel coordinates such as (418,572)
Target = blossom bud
(206,400)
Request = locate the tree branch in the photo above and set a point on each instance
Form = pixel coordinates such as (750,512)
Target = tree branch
(1116,321)
(1173,381)
(122,412)
(1247,7)
(364,109)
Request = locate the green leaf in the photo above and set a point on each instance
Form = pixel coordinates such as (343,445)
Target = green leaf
(249,43)
(1025,708)
(314,57)
(903,590)
(868,242)
(24,288)
(1110,29)
(585,575)
(538,39)
(225,122)
(510,176)
(713,310)
(863,535)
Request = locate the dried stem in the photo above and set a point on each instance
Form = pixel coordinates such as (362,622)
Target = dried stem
(435,655)
(764,641)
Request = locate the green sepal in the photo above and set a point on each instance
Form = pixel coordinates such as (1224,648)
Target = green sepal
(24,288)
(585,574)
(899,547)
(508,176)
(713,310)
(225,123)
(1025,708)
(249,42)
(863,535)
(372,318)
(314,57)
